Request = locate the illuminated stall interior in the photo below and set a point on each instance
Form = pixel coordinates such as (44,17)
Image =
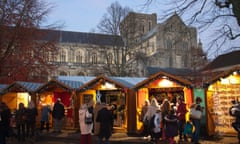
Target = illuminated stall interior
(105,90)
(221,91)
(162,85)
(48,94)
(18,92)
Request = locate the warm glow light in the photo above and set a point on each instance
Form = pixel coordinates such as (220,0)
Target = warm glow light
(234,73)
(108,85)
(224,81)
(165,83)
(22,98)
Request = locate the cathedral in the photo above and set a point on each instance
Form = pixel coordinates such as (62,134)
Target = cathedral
(142,44)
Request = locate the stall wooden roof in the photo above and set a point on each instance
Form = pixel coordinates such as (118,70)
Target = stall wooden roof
(223,74)
(20,86)
(160,74)
(121,82)
(65,84)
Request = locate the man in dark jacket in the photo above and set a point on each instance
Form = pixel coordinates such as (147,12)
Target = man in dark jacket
(58,115)
(5,116)
(104,117)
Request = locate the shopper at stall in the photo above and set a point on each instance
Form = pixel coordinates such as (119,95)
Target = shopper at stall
(97,108)
(45,113)
(5,116)
(141,117)
(21,117)
(58,115)
(156,130)
(31,119)
(181,114)
(165,108)
(196,120)
(86,129)
(171,126)
(152,109)
(104,117)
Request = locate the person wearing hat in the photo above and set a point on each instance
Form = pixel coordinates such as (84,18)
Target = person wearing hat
(181,115)
(58,115)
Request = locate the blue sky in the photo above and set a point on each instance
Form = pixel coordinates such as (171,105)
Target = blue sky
(84,15)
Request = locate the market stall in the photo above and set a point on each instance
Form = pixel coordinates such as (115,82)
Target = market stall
(221,91)
(162,86)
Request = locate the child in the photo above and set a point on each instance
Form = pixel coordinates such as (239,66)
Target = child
(188,129)
(171,129)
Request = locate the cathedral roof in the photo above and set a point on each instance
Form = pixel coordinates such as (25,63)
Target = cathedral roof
(82,38)
(173,71)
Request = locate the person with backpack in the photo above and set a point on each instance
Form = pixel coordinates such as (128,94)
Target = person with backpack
(85,128)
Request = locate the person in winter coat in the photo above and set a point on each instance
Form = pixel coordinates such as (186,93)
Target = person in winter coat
(85,129)
(45,112)
(171,126)
(20,118)
(165,108)
(58,115)
(196,121)
(97,108)
(156,131)
(104,117)
(5,116)
(143,112)
(31,119)
(181,114)
(152,109)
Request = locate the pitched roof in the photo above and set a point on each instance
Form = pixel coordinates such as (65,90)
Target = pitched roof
(82,38)
(224,61)
(65,84)
(160,74)
(21,86)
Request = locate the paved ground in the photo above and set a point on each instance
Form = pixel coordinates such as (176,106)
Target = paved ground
(72,137)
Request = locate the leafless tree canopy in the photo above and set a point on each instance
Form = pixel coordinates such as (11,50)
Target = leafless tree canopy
(220,18)
(110,22)
(22,49)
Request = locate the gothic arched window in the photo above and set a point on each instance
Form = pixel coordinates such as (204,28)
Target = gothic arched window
(79,57)
(94,58)
(63,55)
(109,58)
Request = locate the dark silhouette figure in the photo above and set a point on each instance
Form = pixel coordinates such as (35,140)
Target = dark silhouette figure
(5,116)
(21,118)
(104,117)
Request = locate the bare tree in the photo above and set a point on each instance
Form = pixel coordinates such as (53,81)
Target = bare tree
(120,59)
(24,53)
(220,18)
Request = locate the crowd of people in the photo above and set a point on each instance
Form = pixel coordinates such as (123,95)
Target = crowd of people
(22,122)
(165,121)
(160,121)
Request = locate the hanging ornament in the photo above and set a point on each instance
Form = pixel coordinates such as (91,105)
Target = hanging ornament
(98,96)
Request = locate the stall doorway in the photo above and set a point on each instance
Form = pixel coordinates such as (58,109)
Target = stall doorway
(117,100)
